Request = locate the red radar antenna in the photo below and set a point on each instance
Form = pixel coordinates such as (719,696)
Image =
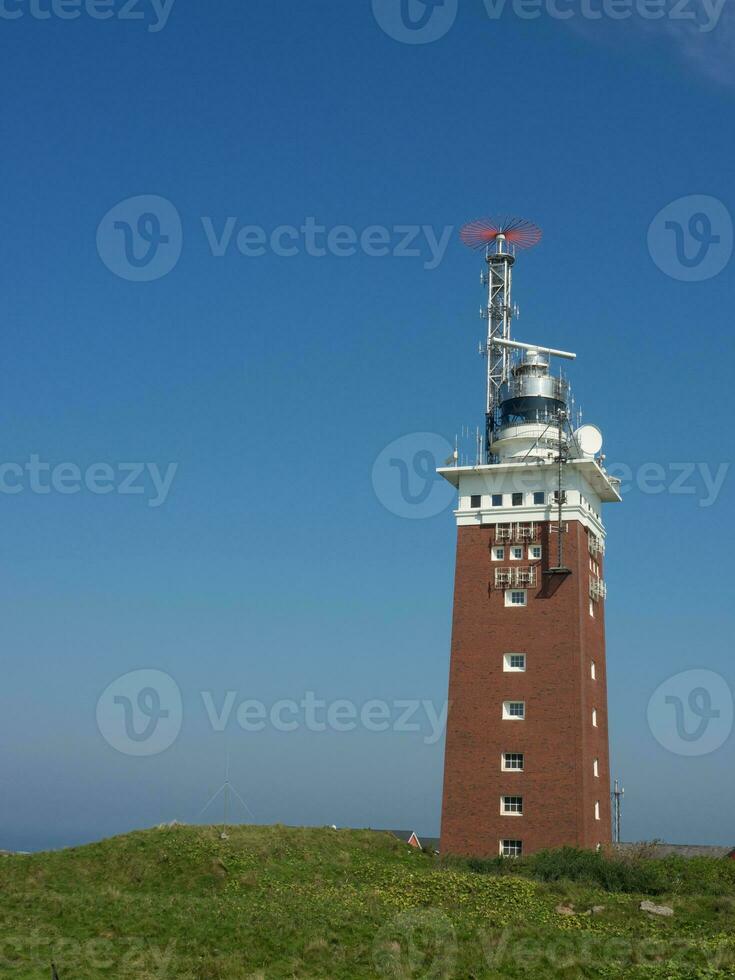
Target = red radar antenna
(485,231)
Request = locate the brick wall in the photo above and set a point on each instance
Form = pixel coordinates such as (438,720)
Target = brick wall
(559,742)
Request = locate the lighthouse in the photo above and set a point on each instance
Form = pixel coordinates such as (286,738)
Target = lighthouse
(527,759)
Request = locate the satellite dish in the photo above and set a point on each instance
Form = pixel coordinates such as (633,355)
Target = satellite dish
(589,439)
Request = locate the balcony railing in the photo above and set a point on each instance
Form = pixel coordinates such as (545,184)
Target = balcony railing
(510,578)
(598,589)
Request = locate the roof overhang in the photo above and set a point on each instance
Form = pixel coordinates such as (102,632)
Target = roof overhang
(600,481)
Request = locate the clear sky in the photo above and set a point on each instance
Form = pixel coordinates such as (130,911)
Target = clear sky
(276,558)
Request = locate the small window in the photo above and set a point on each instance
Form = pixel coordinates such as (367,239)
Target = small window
(594,717)
(517,499)
(516,597)
(539,497)
(499,554)
(511,848)
(514,661)
(514,710)
(596,768)
(511,805)
(593,671)
(497,500)
(512,762)
(475,501)
(597,810)
(534,552)
(563,496)
(516,553)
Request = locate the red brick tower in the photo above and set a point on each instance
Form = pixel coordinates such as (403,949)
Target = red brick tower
(526,763)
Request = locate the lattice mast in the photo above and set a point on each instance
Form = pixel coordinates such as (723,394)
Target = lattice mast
(500,237)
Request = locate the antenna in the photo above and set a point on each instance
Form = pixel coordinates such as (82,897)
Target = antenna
(225,789)
(617,794)
(500,237)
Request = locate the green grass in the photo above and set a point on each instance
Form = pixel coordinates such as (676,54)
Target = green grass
(276,902)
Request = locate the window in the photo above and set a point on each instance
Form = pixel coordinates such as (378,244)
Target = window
(592,609)
(516,597)
(597,810)
(516,553)
(596,768)
(539,498)
(514,662)
(517,499)
(498,554)
(512,805)
(514,710)
(497,500)
(593,671)
(511,848)
(512,762)
(476,501)
(534,552)
(563,496)
(594,717)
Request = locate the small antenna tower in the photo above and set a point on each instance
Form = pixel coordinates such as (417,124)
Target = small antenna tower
(225,789)
(617,795)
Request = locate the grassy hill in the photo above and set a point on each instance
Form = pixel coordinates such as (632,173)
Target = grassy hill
(276,902)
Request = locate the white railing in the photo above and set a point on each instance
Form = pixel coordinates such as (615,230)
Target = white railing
(522,578)
(598,589)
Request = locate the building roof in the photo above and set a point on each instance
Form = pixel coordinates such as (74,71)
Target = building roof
(406,835)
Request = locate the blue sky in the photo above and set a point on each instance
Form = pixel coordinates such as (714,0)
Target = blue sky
(272,384)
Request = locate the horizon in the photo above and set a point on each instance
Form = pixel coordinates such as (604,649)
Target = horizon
(240,331)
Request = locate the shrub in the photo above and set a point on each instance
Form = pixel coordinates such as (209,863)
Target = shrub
(637,874)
